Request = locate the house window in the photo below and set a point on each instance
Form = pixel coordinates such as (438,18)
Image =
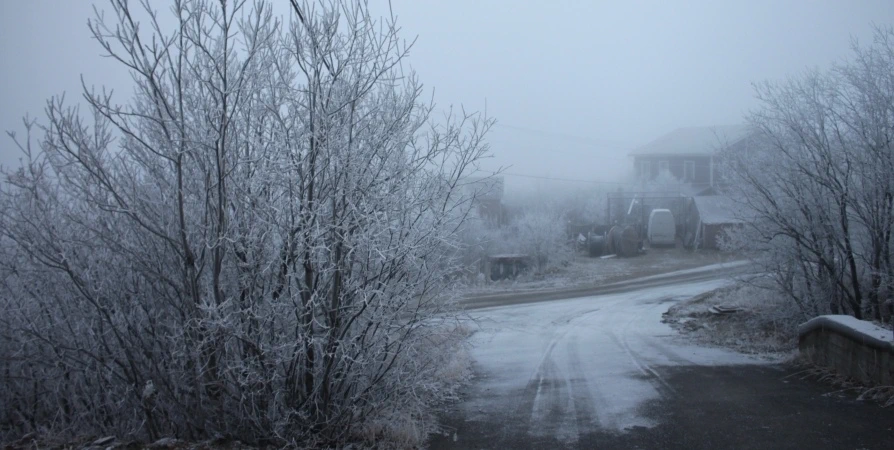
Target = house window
(645,170)
(663,167)
(688,170)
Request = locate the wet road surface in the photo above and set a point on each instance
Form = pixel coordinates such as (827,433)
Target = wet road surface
(604,372)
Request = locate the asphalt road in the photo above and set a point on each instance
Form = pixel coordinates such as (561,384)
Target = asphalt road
(711,272)
(603,372)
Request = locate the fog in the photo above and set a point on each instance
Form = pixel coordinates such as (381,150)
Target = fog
(574,85)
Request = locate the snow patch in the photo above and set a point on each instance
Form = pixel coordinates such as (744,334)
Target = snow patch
(860,329)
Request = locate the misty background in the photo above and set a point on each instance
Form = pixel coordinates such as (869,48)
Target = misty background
(574,85)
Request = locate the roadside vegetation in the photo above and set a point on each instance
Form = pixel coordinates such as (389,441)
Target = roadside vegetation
(747,317)
(534,224)
(816,184)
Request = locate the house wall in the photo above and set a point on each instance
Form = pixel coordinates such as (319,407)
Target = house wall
(493,211)
(676,165)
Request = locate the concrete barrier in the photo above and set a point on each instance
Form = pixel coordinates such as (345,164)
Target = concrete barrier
(852,347)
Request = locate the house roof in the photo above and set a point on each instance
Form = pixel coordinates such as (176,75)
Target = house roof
(693,141)
(717,209)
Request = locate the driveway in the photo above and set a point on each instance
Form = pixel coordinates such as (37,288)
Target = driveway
(602,371)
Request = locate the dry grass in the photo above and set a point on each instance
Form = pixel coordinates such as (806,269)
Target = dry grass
(883,395)
(409,428)
(765,323)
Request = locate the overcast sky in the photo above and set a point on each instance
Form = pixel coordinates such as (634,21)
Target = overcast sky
(574,84)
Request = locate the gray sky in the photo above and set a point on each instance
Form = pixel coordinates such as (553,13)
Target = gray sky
(574,84)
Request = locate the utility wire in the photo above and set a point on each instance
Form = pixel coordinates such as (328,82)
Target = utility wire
(575,180)
(600,142)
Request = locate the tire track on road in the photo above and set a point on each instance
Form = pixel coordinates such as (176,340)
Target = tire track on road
(639,362)
(588,407)
(552,394)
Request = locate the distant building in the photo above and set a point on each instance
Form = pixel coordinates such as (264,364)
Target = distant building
(487,193)
(688,154)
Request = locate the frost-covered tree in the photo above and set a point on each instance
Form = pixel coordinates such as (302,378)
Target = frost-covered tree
(818,176)
(541,234)
(253,245)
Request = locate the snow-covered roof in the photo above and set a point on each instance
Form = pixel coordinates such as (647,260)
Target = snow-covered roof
(717,209)
(694,141)
(692,190)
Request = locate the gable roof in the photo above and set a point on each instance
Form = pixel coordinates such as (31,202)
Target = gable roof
(693,141)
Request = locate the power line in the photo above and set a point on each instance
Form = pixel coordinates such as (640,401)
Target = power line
(580,153)
(600,142)
(574,180)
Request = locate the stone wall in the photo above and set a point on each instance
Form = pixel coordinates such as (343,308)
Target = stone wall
(851,347)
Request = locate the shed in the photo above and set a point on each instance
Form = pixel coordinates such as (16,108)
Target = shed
(709,217)
(507,265)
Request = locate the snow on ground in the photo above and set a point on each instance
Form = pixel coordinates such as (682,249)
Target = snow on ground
(573,366)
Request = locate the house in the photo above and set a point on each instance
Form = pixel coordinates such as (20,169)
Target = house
(687,154)
(684,166)
(487,195)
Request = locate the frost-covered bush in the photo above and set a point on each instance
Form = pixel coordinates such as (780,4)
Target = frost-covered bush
(252,246)
(540,234)
(815,181)
(537,226)
(766,321)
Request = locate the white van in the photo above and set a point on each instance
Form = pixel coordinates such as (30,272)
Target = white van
(662,227)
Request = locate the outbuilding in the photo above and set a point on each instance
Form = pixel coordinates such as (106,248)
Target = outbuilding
(504,266)
(708,219)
